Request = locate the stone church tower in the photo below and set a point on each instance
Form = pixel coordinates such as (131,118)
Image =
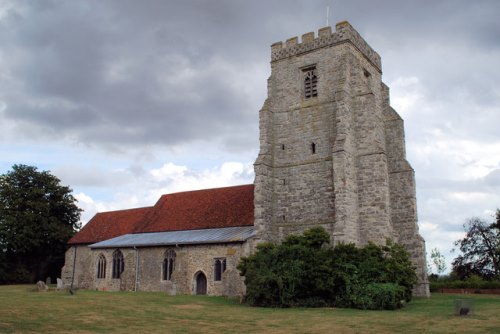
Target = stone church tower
(332,150)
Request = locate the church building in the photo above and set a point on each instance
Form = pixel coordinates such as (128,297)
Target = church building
(332,154)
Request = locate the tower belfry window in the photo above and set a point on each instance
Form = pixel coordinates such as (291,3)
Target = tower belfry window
(310,83)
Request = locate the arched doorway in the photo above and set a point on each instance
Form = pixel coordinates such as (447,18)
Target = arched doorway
(201,283)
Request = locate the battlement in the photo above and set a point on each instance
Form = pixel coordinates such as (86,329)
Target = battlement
(344,32)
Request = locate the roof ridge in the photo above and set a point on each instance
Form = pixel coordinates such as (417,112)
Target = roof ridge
(207,189)
(120,210)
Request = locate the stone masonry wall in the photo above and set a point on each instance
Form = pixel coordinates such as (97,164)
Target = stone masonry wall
(189,261)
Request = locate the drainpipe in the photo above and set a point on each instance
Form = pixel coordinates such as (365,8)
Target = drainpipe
(136,268)
(74,263)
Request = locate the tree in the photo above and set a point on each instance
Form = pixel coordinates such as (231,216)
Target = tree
(438,261)
(38,215)
(480,250)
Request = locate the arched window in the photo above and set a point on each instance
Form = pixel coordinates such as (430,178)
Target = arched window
(101,267)
(118,264)
(168,265)
(219,268)
(310,83)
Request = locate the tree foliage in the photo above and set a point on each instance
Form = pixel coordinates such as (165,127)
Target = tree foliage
(305,271)
(37,217)
(480,250)
(438,261)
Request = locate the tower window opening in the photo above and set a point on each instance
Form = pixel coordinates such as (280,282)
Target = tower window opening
(284,181)
(310,83)
(283,147)
(313,148)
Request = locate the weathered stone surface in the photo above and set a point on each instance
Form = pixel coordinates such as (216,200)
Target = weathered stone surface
(41,286)
(60,284)
(189,260)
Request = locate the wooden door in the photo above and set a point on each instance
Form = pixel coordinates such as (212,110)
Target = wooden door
(201,284)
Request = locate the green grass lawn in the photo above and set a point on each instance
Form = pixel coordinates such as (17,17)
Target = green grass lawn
(24,311)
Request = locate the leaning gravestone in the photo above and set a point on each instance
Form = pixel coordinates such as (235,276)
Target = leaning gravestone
(60,284)
(42,286)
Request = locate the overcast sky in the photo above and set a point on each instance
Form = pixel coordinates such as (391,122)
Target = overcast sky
(128,100)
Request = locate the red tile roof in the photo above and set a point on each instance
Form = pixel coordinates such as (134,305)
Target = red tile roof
(107,225)
(190,210)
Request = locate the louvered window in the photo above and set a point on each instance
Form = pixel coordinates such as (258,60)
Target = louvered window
(310,83)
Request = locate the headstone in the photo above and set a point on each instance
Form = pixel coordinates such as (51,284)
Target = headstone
(463,307)
(60,284)
(42,286)
(48,281)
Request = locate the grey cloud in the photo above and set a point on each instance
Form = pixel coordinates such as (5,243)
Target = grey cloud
(147,72)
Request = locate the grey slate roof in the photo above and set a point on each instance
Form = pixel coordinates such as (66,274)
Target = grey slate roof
(189,237)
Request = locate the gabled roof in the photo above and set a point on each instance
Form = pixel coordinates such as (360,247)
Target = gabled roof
(190,210)
(190,237)
(107,225)
(200,209)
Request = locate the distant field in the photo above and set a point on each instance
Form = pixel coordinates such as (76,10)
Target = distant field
(25,311)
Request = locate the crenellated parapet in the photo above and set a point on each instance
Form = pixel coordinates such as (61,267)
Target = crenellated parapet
(344,33)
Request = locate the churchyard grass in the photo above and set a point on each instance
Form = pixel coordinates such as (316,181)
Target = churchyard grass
(24,310)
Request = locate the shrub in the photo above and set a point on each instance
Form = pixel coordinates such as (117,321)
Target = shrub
(379,296)
(305,271)
(473,282)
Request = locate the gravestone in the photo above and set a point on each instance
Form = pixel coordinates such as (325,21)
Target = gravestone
(60,284)
(48,280)
(463,307)
(42,286)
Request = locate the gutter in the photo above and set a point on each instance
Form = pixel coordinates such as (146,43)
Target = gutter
(74,263)
(136,268)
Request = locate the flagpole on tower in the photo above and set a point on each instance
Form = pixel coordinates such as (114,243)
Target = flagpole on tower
(327,14)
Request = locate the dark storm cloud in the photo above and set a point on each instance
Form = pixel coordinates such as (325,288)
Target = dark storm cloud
(165,72)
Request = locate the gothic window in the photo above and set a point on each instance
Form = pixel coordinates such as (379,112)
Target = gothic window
(168,264)
(219,268)
(310,83)
(101,267)
(118,264)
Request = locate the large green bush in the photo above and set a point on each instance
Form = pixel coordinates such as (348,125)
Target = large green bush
(306,271)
